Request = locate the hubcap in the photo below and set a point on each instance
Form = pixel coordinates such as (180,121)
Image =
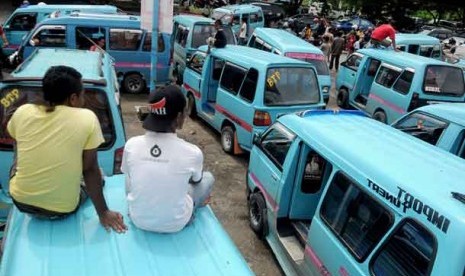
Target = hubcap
(134,84)
(255,214)
(227,140)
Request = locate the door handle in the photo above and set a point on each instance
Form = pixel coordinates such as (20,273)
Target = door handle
(275,177)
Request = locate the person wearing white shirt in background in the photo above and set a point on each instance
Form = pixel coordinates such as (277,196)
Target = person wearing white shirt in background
(165,182)
(243,32)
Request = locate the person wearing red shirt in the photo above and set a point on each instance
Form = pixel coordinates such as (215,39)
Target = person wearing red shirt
(381,33)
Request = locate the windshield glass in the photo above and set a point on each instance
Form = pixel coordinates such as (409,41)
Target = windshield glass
(13,96)
(316,60)
(291,86)
(202,32)
(224,17)
(440,79)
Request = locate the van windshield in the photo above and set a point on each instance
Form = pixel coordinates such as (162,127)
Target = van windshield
(202,32)
(444,80)
(13,96)
(316,60)
(291,86)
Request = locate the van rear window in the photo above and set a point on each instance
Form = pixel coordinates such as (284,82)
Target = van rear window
(203,31)
(12,97)
(291,86)
(444,80)
(317,60)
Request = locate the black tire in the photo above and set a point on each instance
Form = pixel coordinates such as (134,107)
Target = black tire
(343,98)
(227,139)
(191,109)
(380,116)
(257,215)
(134,83)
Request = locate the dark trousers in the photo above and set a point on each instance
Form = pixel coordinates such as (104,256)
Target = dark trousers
(334,58)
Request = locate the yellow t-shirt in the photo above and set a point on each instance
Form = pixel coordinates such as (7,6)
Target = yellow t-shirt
(49,154)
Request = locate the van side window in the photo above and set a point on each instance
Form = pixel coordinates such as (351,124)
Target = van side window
(196,63)
(86,35)
(236,20)
(125,39)
(353,62)
(267,47)
(254,17)
(249,86)
(181,36)
(426,51)
(404,82)
(355,218)
(413,49)
(401,48)
(422,126)
(252,41)
(22,22)
(217,69)
(461,148)
(147,46)
(50,36)
(410,250)
(373,68)
(232,77)
(436,51)
(313,173)
(387,76)
(276,143)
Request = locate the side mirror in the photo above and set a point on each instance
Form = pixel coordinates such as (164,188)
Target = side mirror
(256,139)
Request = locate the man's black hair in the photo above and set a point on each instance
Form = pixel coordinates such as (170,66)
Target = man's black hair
(59,83)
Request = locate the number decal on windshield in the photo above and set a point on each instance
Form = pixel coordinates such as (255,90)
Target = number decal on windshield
(10,98)
(273,79)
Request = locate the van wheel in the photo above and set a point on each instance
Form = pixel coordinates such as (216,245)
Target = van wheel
(380,116)
(134,83)
(227,139)
(257,215)
(191,109)
(343,98)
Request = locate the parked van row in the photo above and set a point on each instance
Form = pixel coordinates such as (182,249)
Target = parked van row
(386,84)
(356,198)
(23,20)
(283,43)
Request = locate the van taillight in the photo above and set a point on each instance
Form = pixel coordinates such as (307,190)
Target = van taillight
(118,161)
(261,118)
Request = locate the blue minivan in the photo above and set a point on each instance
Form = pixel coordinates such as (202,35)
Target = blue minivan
(337,193)
(234,14)
(101,96)
(22,20)
(387,84)
(419,44)
(125,41)
(286,44)
(240,91)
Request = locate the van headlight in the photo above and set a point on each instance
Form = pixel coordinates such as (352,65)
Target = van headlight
(325,89)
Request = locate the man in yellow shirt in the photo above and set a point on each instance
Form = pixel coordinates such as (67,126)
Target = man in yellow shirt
(56,143)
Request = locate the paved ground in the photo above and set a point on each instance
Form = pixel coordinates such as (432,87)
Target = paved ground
(228,201)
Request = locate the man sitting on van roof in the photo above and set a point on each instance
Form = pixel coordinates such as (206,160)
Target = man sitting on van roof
(164,177)
(381,33)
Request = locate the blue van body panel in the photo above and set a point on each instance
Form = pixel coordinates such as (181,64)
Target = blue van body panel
(286,42)
(43,11)
(240,9)
(138,61)
(81,246)
(392,161)
(232,109)
(91,65)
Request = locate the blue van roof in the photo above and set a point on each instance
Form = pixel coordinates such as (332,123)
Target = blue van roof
(79,245)
(422,39)
(453,112)
(189,19)
(239,8)
(86,62)
(402,58)
(121,21)
(285,41)
(248,57)
(368,149)
(52,8)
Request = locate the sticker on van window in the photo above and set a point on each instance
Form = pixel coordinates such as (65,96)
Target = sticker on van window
(432,89)
(10,98)
(273,79)
(406,201)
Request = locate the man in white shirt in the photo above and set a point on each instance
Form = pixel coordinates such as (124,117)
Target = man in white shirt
(243,32)
(164,177)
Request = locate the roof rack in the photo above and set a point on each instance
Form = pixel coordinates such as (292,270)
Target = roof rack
(11,79)
(314,112)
